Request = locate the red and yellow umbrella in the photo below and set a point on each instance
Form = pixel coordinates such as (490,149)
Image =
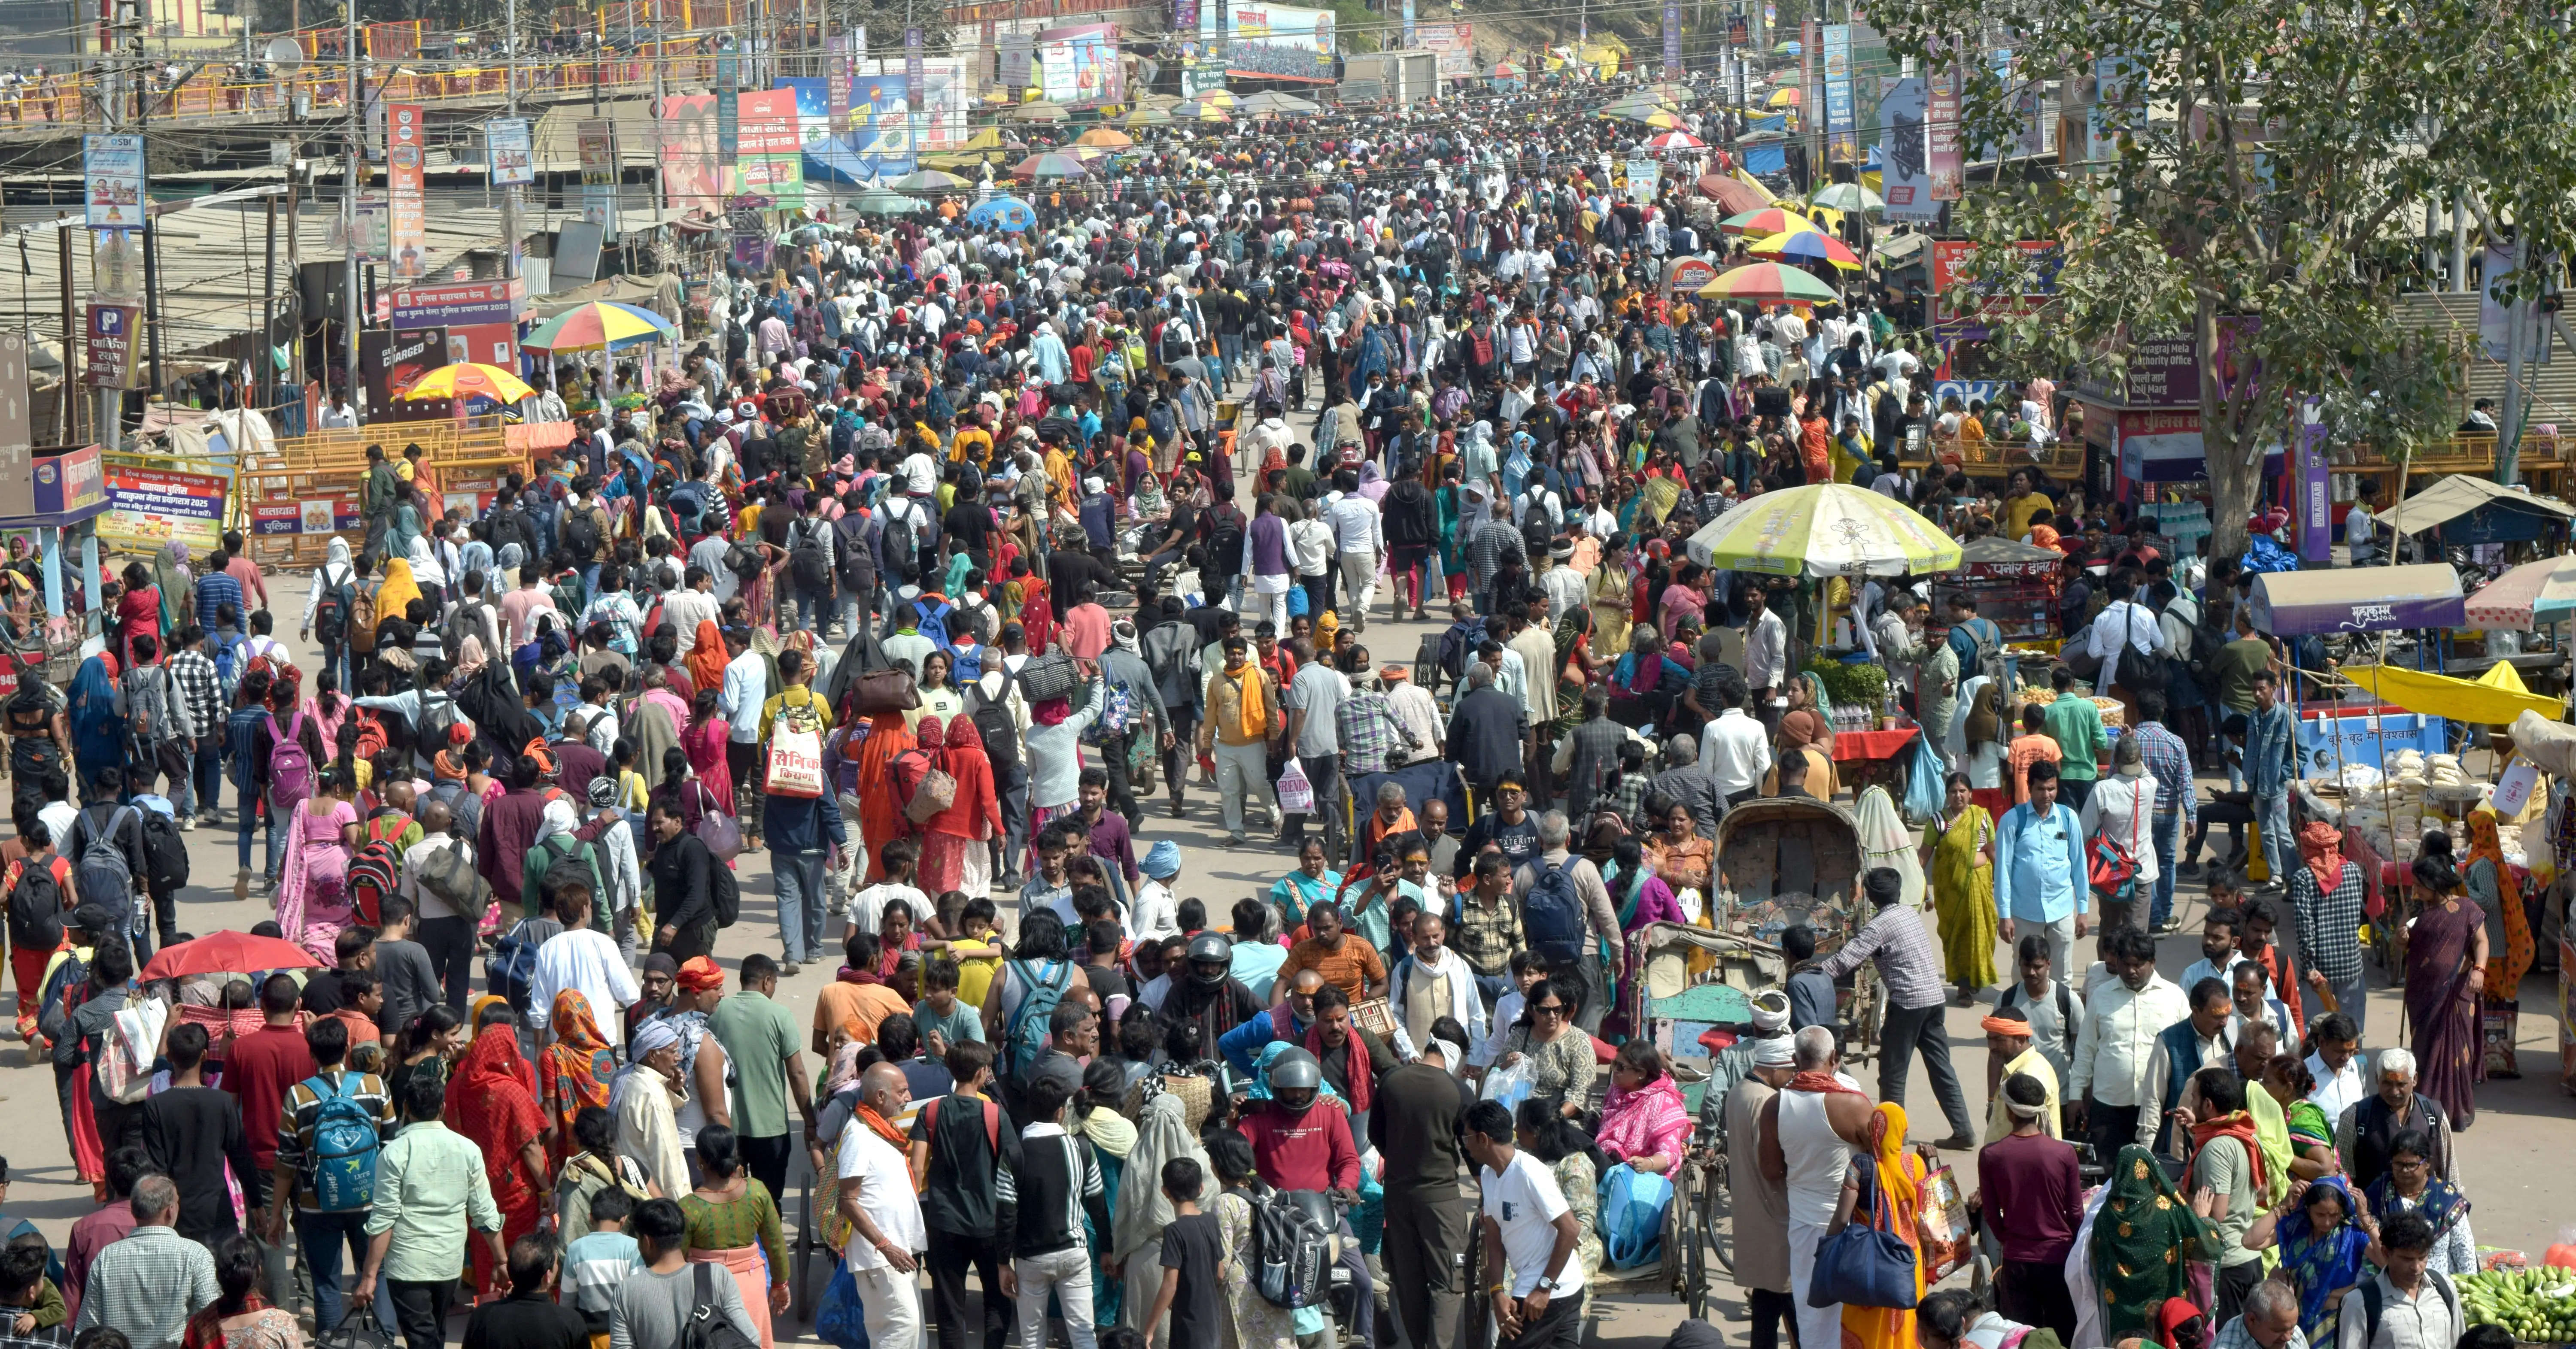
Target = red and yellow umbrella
(470,380)
(1767,283)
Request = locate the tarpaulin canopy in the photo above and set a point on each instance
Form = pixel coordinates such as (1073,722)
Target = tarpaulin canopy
(2525,597)
(2495,698)
(2362,599)
(1995,555)
(2460,493)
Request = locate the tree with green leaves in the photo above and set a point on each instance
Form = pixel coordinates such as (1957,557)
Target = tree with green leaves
(2262,178)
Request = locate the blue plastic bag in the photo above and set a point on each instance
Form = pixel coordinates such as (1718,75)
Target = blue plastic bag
(839,1320)
(1632,1216)
(1926,782)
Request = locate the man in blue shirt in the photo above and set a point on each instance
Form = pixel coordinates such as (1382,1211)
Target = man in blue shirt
(2040,882)
(1287,1021)
(2271,765)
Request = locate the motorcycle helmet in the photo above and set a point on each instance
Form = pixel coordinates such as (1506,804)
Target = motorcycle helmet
(1296,1070)
(1211,946)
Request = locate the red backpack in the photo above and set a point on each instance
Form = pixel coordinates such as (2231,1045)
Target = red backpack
(375,874)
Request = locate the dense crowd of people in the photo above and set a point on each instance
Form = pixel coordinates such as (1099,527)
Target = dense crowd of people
(940,551)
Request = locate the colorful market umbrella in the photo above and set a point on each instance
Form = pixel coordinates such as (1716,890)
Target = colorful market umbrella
(1211,112)
(1634,107)
(1148,116)
(1767,283)
(1051,164)
(1675,142)
(2531,594)
(1214,98)
(1271,103)
(1768,221)
(601,325)
(930,180)
(1846,197)
(1831,529)
(1807,246)
(470,380)
(1106,138)
(1784,98)
(1008,214)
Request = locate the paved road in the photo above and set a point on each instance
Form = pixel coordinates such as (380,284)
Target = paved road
(2503,1163)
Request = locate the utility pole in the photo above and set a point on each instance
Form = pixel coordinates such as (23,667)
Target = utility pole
(510,193)
(350,299)
(122,78)
(69,416)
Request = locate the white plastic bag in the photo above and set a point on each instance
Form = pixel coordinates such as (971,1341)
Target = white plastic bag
(1511,1085)
(1296,794)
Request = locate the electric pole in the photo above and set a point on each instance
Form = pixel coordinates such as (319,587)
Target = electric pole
(510,192)
(349,309)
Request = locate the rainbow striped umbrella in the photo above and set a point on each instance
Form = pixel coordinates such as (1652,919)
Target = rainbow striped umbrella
(469,380)
(1051,164)
(1807,246)
(600,325)
(1767,283)
(1769,221)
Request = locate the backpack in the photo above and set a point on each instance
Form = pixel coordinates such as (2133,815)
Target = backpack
(585,856)
(724,892)
(2065,1010)
(1292,1251)
(2141,667)
(35,907)
(1024,1038)
(1979,652)
(742,560)
(992,1122)
(165,854)
(331,613)
(805,560)
(290,769)
(1225,539)
(850,553)
(1552,915)
(345,1145)
(583,533)
(993,722)
(932,622)
(373,877)
(902,543)
(1458,646)
(2374,1301)
(708,1328)
(362,621)
(102,873)
(512,965)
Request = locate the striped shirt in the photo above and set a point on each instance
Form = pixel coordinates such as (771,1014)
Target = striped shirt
(2328,922)
(1908,961)
(1369,733)
(1055,1183)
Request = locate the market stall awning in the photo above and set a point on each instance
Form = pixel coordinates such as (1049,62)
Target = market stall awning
(2461,493)
(1995,555)
(2360,599)
(2529,595)
(2492,699)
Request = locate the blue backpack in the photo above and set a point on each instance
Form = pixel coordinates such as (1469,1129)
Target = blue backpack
(1552,916)
(934,624)
(512,966)
(345,1145)
(1025,1038)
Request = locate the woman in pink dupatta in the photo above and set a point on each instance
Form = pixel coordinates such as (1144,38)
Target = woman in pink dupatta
(704,743)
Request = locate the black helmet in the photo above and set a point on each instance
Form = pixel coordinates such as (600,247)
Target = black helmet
(1211,946)
(1296,1070)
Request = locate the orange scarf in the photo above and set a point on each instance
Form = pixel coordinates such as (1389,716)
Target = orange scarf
(2239,1126)
(868,1115)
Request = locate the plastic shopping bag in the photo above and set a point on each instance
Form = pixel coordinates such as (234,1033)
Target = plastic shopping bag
(1511,1085)
(1296,794)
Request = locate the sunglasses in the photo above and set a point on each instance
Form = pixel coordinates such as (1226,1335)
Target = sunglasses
(1551,1009)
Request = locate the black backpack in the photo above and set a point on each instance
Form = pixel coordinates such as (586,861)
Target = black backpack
(723,892)
(165,854)
(993,722)
(743,560)
(707,1327)
(581,534)
(1291,1250)
(35,909)
(331,613)
(903,543)
(2374,1301)
(1224,525)
(805,556)
(850,553)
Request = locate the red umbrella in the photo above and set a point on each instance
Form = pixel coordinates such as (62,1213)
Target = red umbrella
(1732,194)
(227,953)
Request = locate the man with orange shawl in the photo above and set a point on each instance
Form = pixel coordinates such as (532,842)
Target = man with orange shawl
(488,1102)
(881,817)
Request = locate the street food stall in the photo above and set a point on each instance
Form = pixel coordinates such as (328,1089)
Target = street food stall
(2013,584)
(2304,607)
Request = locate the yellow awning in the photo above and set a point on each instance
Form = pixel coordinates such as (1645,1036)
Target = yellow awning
(2493,699)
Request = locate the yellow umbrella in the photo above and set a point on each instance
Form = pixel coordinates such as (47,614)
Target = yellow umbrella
(1784,98)
(469,380)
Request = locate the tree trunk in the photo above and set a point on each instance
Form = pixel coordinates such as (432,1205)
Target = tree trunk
(2233,482)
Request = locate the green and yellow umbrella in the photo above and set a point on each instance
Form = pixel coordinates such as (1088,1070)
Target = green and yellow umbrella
(1831,529)
(600,325)
(1768,221)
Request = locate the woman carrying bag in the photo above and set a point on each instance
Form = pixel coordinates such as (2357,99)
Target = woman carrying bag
(1872,1257)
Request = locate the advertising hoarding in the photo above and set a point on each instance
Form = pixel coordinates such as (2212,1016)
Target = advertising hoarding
(1275,41)
(1080,65)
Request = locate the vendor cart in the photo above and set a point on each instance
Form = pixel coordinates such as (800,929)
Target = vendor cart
(2012,584)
